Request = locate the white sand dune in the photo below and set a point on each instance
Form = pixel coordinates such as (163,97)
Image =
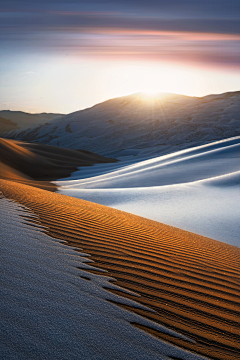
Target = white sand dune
(195,189)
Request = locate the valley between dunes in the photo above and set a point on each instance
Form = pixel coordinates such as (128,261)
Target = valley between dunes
(186,285)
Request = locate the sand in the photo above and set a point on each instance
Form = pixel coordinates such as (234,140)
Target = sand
(39,164)
(191,282)
(195,190)
(49,310)
(7,125)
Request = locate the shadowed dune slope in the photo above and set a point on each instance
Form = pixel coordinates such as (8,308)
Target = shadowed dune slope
(9,173)
(7,125)
(192,282)
(23,162)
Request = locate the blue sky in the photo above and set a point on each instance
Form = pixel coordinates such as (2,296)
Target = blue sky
(61,56)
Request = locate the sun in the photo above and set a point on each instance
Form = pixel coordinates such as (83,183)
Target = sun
(150,95)
(154,96)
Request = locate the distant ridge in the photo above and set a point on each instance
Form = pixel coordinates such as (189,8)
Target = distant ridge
(136,125)
(22,119)
(7,125)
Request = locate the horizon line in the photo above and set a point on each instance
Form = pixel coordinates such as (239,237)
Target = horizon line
(155,93)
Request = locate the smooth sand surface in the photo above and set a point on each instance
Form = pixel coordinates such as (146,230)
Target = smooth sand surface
(7,125)
(192,282)
(195,189)
(38,164)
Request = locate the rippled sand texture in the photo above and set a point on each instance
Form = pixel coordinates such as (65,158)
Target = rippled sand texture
(195,189)
(191,282)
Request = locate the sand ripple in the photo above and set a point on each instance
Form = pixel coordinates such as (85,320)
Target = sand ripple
(191,282)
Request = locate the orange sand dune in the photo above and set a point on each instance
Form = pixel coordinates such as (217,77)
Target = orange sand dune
(21,162)
(8,173)
(192,282)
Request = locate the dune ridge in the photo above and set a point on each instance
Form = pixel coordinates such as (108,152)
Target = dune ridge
(38,164)
(191,282)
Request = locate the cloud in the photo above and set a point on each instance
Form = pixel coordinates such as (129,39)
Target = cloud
(206,31)
(56,20)
(175,8)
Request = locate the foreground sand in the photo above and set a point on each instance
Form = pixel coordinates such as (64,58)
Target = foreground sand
(192,282)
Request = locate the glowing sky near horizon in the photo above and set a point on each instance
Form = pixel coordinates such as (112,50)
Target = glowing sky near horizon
(59,56)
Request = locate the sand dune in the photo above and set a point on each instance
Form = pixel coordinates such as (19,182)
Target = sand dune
(21,161)
(196,163)
(50,309)
(191,282)
(7,125)
(186,286)
(195,189)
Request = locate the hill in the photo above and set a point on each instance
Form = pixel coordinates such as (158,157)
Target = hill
(7,125)
(136,125)
(12,120)
(38,164)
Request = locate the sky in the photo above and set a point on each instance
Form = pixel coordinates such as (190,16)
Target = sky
(62,56)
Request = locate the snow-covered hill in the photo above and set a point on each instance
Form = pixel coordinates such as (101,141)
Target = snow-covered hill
(139,126)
